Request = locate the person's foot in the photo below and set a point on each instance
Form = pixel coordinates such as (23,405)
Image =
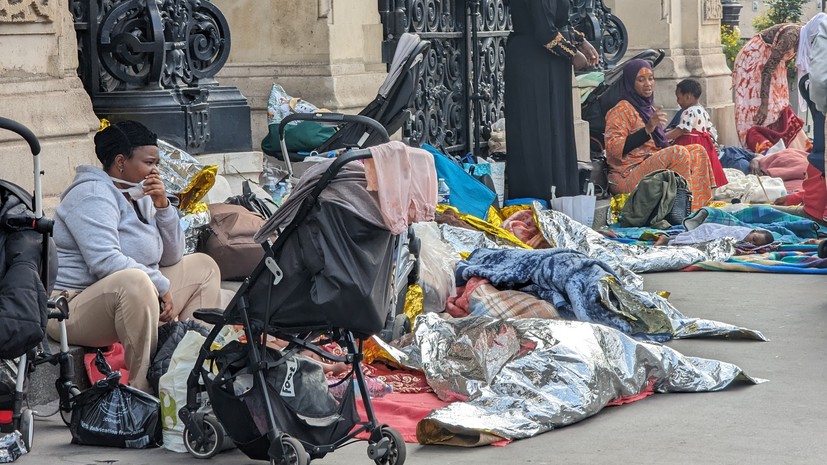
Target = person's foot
(662,240)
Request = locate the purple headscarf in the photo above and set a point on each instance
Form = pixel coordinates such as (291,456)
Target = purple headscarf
(643,105)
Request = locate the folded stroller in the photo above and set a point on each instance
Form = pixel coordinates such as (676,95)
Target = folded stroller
(391,106)
(27,269)
(329,277)
(606,95)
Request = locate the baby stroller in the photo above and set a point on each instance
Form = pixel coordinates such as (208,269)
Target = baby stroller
(327,278)
(406,250)
(28,269)
(606,95)
(390,108)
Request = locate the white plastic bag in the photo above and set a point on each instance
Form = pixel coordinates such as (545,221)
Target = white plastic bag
(172,389)
(580,208)
(436,267)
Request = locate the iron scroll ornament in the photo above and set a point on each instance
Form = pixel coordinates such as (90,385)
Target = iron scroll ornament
(602,28)
(164,43)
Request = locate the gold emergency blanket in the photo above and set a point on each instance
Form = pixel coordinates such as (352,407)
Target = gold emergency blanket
(514,379)
(185,176)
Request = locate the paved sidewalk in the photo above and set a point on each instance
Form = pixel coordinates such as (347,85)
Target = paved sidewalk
(780,422)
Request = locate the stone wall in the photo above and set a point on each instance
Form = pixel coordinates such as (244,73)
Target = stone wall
(41,90)
(325,51)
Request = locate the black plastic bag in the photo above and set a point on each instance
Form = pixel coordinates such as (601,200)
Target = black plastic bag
(115,415)
(249,200)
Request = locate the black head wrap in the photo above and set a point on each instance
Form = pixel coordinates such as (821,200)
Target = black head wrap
(122,137)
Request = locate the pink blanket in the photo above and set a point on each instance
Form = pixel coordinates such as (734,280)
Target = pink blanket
(789,164)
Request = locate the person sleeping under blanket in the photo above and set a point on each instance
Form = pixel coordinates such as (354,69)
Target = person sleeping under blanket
(711,231)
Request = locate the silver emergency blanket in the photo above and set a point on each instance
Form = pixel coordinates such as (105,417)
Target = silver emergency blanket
(464,240)
(195,225)
(561,231)
(517,378)
(626,259)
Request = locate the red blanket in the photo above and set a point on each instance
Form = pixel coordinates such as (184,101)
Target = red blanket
(705,139)
(787,127)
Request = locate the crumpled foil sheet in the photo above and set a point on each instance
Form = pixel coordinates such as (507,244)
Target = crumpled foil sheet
(194,225)
(626,259)
(184,176)
(561,231)
(491,227)
(517,378)
(465,241)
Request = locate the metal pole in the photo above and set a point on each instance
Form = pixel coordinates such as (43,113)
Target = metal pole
(475,76)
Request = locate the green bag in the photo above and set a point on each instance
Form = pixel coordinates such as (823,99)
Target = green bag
(303,137)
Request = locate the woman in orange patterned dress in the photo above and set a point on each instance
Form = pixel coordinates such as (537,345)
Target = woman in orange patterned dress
(636,144)
(759,76)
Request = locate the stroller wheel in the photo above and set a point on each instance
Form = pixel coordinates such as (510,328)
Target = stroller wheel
(822,249)
(294,453)
(27,428)
(66,408)
(395,452)
(211,441)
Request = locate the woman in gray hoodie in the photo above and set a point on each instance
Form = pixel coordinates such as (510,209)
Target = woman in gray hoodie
(120,252)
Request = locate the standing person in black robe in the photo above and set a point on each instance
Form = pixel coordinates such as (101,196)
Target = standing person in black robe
(539,117)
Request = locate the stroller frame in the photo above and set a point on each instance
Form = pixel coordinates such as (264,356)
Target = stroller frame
(385,444)
(22,416)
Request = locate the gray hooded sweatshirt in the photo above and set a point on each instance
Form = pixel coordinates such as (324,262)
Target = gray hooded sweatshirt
(97,232)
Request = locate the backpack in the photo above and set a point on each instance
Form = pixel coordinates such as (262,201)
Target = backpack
(230,240)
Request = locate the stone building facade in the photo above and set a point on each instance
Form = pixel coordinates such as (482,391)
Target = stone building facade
(326,51)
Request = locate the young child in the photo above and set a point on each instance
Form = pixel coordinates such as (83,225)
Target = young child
(706,232)
(692,125)
(692,116)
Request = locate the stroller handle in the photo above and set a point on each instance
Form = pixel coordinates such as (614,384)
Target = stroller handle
(333,118)
(23,131)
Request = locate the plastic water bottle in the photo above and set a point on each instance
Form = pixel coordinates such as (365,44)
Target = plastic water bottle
(268,184)
(443,193)
(281,193)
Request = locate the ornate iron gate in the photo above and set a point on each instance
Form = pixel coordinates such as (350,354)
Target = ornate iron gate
(457,98)
(446,94)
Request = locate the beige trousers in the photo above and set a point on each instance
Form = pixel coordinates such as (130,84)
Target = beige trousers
(124,307)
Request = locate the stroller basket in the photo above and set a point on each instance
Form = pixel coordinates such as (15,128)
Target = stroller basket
(297,387)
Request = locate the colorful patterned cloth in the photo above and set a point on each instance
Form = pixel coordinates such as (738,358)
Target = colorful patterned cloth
(773,262)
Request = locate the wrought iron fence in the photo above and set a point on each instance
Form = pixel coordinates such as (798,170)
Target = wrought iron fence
(459,98)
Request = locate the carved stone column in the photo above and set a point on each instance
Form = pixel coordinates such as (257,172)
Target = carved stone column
(325,51)
(40,88)
(690,33)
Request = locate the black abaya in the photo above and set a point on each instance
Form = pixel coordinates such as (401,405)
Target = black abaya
(539,117)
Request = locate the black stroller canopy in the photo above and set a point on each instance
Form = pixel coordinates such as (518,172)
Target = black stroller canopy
(391,105)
